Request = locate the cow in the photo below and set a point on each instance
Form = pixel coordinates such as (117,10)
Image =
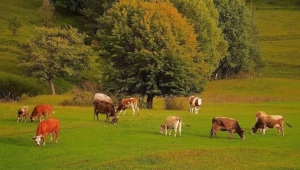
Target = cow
(39,110)
(226,124)
(171,122)
(260,114)
(103,97)
(23,113)
(105,108)
(49,126)
(269,121)
(127,103)
(195,103)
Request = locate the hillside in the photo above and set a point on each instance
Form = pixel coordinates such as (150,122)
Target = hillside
(279,38)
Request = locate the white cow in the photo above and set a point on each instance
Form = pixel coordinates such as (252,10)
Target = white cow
(172,122)
(103,97)
(195,103)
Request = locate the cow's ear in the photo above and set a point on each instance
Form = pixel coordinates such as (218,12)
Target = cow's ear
(34,137)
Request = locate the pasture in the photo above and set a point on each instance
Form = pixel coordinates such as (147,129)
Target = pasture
(135,142)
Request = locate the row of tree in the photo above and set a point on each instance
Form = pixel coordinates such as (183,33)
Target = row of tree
(150,48)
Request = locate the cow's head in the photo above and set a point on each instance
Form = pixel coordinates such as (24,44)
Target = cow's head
(242,134)
(254,129)
(31,119)
(38,139)
(162,129)
(115,120)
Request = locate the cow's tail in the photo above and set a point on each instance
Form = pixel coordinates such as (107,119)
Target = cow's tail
(186,124)
(288,125)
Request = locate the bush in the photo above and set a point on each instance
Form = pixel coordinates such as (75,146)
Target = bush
(175,103)
(14,86)
(81,98)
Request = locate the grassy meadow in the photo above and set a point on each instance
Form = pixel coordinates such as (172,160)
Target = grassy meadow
(134,143)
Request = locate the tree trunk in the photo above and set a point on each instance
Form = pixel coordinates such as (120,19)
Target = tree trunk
(51,86)
(150,101)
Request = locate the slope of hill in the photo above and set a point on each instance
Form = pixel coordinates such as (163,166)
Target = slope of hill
(276,20)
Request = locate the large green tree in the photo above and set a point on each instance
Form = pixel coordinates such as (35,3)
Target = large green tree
(238,27)
(147,48)
(205,18)
(56,52)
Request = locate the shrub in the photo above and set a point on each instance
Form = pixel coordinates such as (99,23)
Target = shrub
(13,86)
(81,98)
(175,103)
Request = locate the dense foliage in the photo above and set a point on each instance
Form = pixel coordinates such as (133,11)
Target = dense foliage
(239,30)
(149,49)
(56,52)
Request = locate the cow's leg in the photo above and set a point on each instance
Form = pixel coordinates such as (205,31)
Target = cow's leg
(166,130)
(264,129)
(133,109)
(179,129)
(230,134)
(56,136)
(196,109)
(175,129)
(51,137)
(124,111)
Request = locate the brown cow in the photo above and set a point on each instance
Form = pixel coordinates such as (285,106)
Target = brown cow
(105,108)
(49,126)
(127,103)
(194,103)
(42,109)
(269,121)
(171,122)
(226,124)
(23,113)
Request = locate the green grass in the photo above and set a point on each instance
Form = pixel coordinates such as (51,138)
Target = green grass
(136,144)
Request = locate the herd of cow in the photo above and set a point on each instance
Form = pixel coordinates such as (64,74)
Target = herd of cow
(104,105)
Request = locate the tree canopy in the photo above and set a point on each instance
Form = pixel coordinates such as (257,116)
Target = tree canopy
(149,49)
(239,29)
(205,18)
(56,52)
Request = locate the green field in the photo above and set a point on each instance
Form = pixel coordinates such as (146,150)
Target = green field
(134,143)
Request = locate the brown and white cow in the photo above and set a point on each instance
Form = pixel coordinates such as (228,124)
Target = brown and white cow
(171,122)
(260,114)
(195,103)
(42,109)
(49,126)
(126,103)
(226,124)
(269,121)
(23,113)
(105,108)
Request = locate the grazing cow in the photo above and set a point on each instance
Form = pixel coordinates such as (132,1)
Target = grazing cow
(39,110)
(172,122)
(103,97)
(195,103)
(226,124)
(260,114)
(127,103)
(269,121)
(49,126)
(105,108)
(23,113)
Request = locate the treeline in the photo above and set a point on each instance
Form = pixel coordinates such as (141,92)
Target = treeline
(147,48)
